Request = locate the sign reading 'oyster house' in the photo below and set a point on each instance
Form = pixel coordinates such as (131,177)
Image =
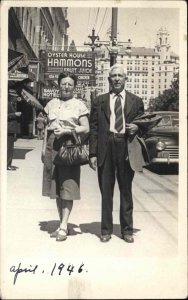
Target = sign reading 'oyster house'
(79,63)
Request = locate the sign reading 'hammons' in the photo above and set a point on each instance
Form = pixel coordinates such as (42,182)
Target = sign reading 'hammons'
(79,63)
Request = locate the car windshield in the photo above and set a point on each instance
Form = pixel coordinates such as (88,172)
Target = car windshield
(170,121)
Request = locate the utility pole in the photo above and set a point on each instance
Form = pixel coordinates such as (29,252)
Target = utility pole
(93,45)
(114,49)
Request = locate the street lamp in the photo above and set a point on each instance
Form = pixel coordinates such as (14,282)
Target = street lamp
(93,38)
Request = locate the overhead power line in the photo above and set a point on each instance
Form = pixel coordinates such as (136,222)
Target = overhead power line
(97,15)
(88,20)
(104,34)
(102,21)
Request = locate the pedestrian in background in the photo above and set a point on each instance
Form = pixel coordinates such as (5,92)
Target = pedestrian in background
(62,183)
(116,149)
(41,121)
(11,131)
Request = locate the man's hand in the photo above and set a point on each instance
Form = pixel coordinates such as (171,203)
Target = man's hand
(131,128)
(93,163)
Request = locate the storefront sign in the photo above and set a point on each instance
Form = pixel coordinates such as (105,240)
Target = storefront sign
(30,99)
(79,63)
(75,62)
(16,75)
(33,71)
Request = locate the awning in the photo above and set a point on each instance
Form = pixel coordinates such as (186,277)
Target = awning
(16,60)
(13,93)
(30,99)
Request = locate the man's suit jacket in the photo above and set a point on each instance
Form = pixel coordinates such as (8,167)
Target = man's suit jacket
(100,124)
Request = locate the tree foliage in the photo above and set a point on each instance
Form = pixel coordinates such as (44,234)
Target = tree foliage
(168,100)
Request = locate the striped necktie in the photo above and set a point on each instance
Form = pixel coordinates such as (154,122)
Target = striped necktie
(118,114)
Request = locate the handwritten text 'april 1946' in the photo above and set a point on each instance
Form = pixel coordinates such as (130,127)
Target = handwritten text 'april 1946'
(57,269)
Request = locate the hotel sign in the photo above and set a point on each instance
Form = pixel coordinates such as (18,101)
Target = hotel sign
(49,93)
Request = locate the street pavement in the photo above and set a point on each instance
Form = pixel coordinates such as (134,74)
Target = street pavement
(108,270)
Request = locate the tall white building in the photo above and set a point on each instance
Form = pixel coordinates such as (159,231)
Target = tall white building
(149,70)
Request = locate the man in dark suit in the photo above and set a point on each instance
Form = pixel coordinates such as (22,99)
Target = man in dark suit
(11,132)
(116,150)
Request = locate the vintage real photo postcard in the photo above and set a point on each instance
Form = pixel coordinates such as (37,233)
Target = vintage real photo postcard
(93,150)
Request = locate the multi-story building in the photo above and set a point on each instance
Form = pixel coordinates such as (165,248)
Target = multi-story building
(31,30)
(149,70)
(102,69)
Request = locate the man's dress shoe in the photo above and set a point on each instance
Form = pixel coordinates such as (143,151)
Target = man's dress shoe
(128,238)
(105,238)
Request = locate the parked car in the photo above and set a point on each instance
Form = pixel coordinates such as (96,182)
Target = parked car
(162,141)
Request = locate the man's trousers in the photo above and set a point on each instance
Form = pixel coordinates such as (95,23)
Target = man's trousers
(116,165)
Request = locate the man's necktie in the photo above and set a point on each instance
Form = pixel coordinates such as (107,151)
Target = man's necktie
(118,114)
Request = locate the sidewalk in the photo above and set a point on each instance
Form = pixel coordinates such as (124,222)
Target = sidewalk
(110,269)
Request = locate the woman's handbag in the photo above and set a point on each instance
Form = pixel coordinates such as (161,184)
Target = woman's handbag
(73,154)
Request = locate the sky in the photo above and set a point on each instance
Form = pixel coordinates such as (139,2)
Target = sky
(138,24)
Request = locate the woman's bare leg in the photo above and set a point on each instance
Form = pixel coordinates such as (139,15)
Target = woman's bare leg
(66,210)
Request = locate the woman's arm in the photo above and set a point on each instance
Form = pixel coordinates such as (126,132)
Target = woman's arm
(84,125)
(82,128)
